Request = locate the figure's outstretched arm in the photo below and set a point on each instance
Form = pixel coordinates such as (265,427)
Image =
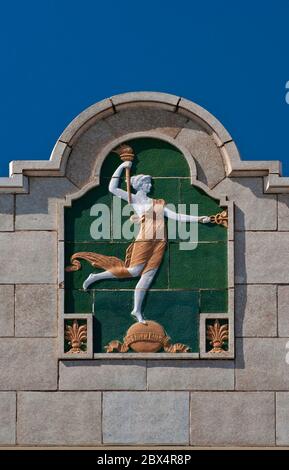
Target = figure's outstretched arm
(186,218)
(114,182)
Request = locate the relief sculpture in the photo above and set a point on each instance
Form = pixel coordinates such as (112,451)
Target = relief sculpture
(145,254)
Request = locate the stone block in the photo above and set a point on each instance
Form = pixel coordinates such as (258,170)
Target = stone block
(146,119)
(6,310)
(7,418)
(254,210)
(282,418)
(84,120)
(83,157)
(61,418)
(28,257)
(210,166)
(146,418)
(208,121)
(28,364)
(36,311)
(256,310)
(283,311)
(283,212)
(232,418)
(102,375)
(261,364)
(38,209)
(261,257)
(6,213)
(133,99)
(190,375)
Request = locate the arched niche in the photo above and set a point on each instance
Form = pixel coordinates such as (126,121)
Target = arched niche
(191,284)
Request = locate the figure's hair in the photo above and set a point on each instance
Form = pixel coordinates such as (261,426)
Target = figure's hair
(137,181)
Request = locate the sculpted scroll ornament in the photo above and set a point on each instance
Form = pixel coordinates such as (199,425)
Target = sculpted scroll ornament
(146,338)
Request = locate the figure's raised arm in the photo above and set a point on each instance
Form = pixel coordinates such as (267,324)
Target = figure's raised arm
(114,182)
(186,218)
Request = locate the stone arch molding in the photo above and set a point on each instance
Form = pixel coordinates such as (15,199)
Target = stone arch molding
(185,124)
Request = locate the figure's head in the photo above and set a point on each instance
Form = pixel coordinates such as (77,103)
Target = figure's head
(141,182)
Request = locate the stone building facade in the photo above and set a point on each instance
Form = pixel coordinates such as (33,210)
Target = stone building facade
(239,398)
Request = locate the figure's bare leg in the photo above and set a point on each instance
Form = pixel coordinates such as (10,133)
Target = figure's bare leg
(140,292)
(93,277)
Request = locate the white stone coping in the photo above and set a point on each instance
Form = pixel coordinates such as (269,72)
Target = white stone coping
(150,356)
(16,183)
(58,159)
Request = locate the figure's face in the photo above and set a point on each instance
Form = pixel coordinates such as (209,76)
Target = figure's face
(146,186)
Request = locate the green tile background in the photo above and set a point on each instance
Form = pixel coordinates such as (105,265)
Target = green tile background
(78,219)
(202,268)
(213,301)
(153,157)
(199,274)
(178,315)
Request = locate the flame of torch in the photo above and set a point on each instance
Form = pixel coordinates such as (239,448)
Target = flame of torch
(126,154)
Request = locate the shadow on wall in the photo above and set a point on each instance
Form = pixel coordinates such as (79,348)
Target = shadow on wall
(240,278)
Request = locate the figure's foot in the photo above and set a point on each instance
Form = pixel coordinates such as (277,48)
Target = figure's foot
(138,316)
(88,281)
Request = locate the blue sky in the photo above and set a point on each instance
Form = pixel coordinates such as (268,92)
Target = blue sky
(59,57)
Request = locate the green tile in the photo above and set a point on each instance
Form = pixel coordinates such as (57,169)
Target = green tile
(202,268)
(112,317)
(153,157)
(110,164)
(206,206)
(192,195)
(177,312)
(78,218)
(75,279)
(77,301)
(167,189)
(205,232)
(213,301)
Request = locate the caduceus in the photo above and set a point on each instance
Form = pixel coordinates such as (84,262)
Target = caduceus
(126,154)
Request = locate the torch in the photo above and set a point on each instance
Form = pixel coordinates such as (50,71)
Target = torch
(126,155)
